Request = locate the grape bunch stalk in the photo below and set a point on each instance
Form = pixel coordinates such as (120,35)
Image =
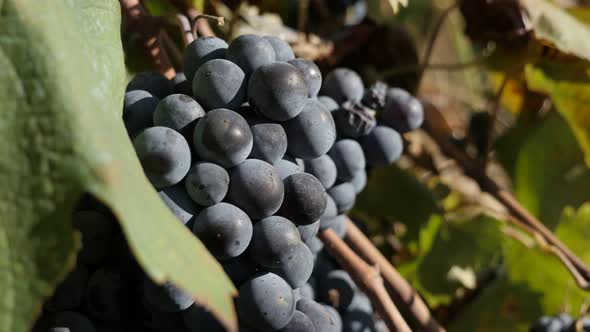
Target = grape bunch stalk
(255,152)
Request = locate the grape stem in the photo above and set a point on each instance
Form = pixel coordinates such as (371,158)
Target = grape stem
(518,214)
(137,21)
(398,288)
(219,19)
(367,277)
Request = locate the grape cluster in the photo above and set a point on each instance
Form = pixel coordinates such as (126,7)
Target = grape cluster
(245,153)
(562,322)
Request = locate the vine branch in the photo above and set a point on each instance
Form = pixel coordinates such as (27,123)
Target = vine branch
(148,28)
(520,216)
(399,289)
(367,277)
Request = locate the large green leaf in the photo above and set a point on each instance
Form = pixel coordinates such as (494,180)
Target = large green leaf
(61,134)
(568,85)
(453,254)
(549,172)
(543,272)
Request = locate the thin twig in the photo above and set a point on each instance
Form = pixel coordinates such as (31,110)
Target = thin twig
(433,67)
(399,289)
(473,169)
(219,19)
(430,46)
(495,109)
(148,28)
(367,277)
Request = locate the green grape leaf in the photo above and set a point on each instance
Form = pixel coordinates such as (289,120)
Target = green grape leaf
(549,171)
(555,27)
(568,85)
(502,306)
(61,134)
(453,254)
(543,272)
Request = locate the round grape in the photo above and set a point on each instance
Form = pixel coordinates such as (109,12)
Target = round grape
(166,297)
(164,155)
(344,196)
(240,269)
(330,104)
(278,90)
(382,146)
(323,168)
(322,319)
(265,302)
(274,240)
(138,111)
(223,137)
(311,73)
(343,84)
(270,142)
(152,82)
(200,51)
(299,323)
(402,111)
(349,158)
(359,181)
(250,52)
(178,112)
(219,83)
(338,289)
(311,133)
(305,199)
(256,188)
(179,203)
(283,51)
(207,183)
(182,85)
(288,166)
(297,267)
(224,229)
(309,231)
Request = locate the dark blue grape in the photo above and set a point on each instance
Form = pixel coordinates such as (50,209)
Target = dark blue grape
(224,229)
(309,231)
(337,289)
(283,51)
(312,74)
(164,155)
(299,323)
(335,316)
(274,240)
(138,111)
(105,295)
(198,319)
(349,158)
(223,137)
(330,104)
(179,202)
(375,96)
(182,85)
(265,302)
(297,267)
(152,82)
(207,183)
(344,196)
(321,318)
(360,302)
(358,321)
(353,120)
(270,142)
(337,224)
(250,52)
(315,245)
(547,324)
(278,91)
(166,297)
(69,294)
(200,51)
(219,83)
(331,210)
(382,146)
(402,111)
(323,168)
(97,233)
(240,269)
(305,199)
(256,188)
(288,166)
(359,181)
(179,112)
(343,84)
(69,321)
(311,133)
(307,291)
